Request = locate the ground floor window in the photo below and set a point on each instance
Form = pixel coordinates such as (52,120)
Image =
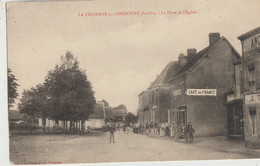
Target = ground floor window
(182,115)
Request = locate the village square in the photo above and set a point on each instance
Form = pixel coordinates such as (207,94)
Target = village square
(132,87)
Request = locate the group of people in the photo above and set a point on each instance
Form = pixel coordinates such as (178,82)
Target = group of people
(149,128)
(182,130)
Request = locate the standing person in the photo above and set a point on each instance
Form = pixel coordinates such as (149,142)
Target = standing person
(185,132)
(146,128)
(155,127)
(172,130)
(124,128)
(127,129)
(190,132)
(150,127)
(159,128)
(112,133)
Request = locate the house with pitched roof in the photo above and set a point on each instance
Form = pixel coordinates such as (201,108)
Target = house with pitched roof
(97,119)
(198,90)
(193,89)
(154,102)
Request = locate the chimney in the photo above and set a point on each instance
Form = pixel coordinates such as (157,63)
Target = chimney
(182,59)
(213,38)
(191,52)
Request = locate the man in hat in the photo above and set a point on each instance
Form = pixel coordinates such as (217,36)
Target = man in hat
(112,133)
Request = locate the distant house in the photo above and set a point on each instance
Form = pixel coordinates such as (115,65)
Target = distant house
(15,116)
(116,113)
(97,119)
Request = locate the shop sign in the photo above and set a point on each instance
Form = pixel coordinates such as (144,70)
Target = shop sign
(177,92)
(202,92)
(252,99)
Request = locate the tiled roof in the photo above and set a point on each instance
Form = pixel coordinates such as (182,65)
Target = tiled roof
(119,112)
(109,112)
(249,34)
(170,70)
(15,115)
(193,60)
(98,111)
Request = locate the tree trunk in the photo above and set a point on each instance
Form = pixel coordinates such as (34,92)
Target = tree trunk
(44,125)
(76,126)
(64,128)
(70,126)
(31,124)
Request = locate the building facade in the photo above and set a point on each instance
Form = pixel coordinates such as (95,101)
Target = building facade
(196,88)
(251,86)
(235,115)
(154,102)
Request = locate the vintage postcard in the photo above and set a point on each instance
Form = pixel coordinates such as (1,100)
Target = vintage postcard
(133,81)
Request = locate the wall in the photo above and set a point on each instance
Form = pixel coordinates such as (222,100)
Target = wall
(208,114)
(251,56)
(95,123)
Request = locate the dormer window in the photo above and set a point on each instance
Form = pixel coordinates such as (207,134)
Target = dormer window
(251,68)
(251,76)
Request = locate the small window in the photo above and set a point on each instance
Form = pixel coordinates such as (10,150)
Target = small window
(251,68)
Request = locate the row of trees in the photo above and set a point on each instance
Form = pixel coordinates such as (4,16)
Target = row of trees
(66,94)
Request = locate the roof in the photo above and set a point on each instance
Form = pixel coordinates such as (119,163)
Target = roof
(175,69)
(249,34)
(109,112)
(15,115)
(119,112)
(195,59)
(168,72)
(115,112)
(98,111)
(141,93)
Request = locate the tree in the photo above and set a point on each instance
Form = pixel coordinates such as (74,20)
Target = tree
(71,94)
(12,88)
(34,103)
(130,118)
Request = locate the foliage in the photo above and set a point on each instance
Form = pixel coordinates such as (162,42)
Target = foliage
(131,118)
(12,88)
(71,94)
(34,101)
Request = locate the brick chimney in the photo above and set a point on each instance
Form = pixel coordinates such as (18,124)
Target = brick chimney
(191,52)
(213,38)
(182,59)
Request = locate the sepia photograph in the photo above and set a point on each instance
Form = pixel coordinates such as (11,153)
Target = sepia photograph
(132,81)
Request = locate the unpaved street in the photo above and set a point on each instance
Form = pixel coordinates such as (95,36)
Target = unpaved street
(95,147)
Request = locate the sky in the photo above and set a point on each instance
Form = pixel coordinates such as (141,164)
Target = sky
(121,54)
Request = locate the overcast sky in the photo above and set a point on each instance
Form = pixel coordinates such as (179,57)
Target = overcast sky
(121,54)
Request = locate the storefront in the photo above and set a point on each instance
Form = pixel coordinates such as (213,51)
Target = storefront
(252,114)
(235,120)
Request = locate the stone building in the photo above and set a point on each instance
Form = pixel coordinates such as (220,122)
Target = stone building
(235,115)
(198,89)
(251,86)
(194,89)
(154,102)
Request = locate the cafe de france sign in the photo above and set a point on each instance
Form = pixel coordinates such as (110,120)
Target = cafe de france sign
(202,92)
